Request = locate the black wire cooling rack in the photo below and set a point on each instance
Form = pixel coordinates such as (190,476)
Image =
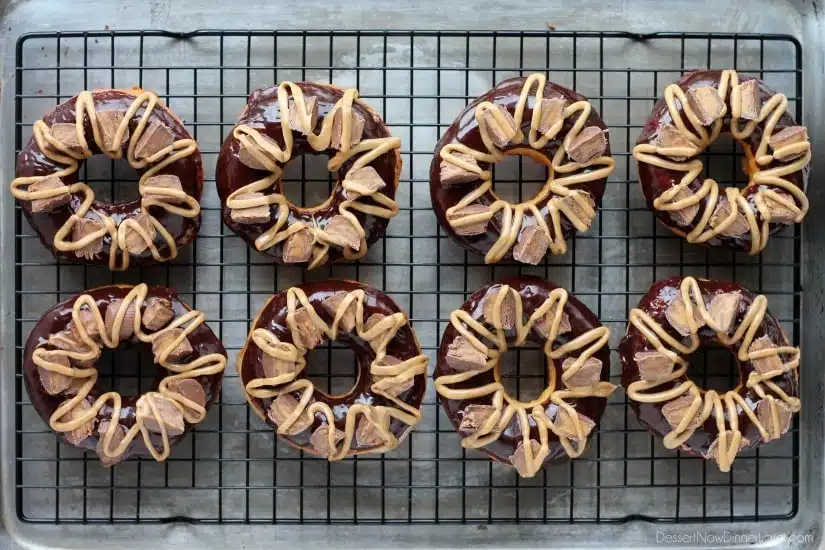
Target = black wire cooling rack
(231,470)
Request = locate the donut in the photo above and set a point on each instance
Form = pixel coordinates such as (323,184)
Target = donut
(693,113)
(563,132)
(385,402)
(131,124)
(677,317)
(62,381)
(500,316)
(360,148)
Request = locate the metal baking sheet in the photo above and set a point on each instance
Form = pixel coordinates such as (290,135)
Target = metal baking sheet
(232,472)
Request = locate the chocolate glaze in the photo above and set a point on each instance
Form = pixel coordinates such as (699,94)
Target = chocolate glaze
(533,291)
(33,162)
(655,180)
(57,319)
(465,130)
(264,114)
(655,303)
(403,346)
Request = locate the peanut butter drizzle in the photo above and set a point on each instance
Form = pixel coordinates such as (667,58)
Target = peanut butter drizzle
(379,336)
(506,406)
(193,412)
(56,151)
(513,215)
(268,153)
(707,403)
(771,112)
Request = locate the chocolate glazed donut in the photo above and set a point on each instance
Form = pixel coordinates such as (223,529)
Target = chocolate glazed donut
(279,124)
(559,421)
(693,113)
(562,131)
(61,378)
(130,124)
(655,368)
(385,402)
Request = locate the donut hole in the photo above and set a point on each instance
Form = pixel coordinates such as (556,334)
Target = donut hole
(523,372)
(113,181)
(307,183)
(725,161)
(519,177)
(714,367)
(333,368)
(128,370)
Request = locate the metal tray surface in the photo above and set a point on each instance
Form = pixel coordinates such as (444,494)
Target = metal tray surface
(230,481)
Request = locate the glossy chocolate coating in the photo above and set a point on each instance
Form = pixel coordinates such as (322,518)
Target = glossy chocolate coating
(655,304)
(57,319)
(655,180)
(465,130)
(533,291)
(403,346)
(263,113)
(33,162)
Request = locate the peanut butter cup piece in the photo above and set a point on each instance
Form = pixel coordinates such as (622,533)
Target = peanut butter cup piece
(367,433)
(127,327)
(82,228)
(249,160)
(357,129)
(475,417)
(283,406)
(117,438)
(333,303)
(164,181)
(765,365)
(463,357)
(367,180)
(298,247)
(108,122)
(166,339)
(294,121)
(739,226)
(677,315)
(587,376)
(713,450)
(66,340)
(686,214)
(307,334)
(780,213)
(654,366)
(508,308)
(47,184)
(135,243)
(341,232)
(55,382)
(572,203)
(87,319)
(82,432)
(155,138)
(532,245)
(320,440)
(252,214)
(670,137)
(158,313)
(189,388)
(274,367)
(706,103)
(543,324)
(453,174)
(591,143)
(394,385)
(551,112)
(567,424)
(784,416)
(476,228)
(723,309)
(170,415)
(519,459)
(791,135)
(501,132)
(373,320)
(750,100)
(66,134)
(675,410)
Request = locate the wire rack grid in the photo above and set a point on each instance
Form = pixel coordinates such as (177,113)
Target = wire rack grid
(232,469)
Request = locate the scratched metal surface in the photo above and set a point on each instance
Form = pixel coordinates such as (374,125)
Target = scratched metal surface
(225,474)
